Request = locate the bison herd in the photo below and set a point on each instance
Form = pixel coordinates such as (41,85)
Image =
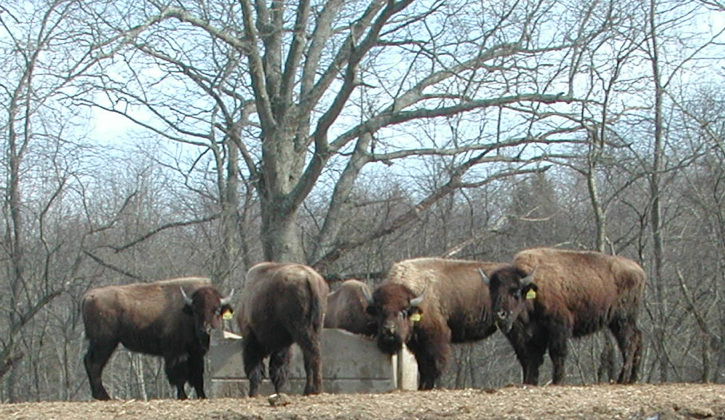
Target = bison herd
(538,301)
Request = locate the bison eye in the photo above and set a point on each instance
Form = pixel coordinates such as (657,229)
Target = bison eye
(516,293)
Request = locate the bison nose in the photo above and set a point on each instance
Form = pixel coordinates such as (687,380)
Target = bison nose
(501,315)
(389,329)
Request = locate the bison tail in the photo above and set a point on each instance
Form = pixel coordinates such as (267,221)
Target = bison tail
(316,310)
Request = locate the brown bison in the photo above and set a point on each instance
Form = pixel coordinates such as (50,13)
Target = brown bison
(169,318)
(427,303)
(549,295)
(282,304)
(347,309)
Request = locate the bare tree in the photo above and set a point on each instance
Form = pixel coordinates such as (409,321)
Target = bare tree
(662,18)
(30,86)
(702,193)
(313,86)
(45,162)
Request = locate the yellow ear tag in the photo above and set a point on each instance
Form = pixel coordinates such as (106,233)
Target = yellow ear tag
(531,294)
(227,314)
(415,317)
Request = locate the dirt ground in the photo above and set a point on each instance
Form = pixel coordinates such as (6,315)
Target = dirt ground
(645,402)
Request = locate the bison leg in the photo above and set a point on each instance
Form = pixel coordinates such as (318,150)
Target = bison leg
(309,343)
(431,353)
(196,374)
(177,372)
(529,352)
(629,339)
(558,349)
(95,360)
(278,363)
(429,370)
(253,355)
(635,357)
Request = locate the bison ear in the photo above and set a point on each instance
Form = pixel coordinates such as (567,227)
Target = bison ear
(414,310)
(530,291)
(226,311)
(415,314)
(188,310)
(484,278)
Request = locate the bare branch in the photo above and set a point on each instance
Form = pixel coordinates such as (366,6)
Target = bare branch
(119,270)
(163,228)
(453,184)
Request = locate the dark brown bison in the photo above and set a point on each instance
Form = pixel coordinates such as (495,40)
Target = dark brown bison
(282,304)
(347,309)
(169,318)
(549,295)
(427,303)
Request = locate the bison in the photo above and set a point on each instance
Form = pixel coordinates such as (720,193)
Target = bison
(549,295)
(347,309)
(282,304)
(427,303)
(168,318)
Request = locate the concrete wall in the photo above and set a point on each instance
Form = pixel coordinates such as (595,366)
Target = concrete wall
(350,364)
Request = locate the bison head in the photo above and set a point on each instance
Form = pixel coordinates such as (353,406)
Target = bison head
(395,309)
(510,288)
(207,306)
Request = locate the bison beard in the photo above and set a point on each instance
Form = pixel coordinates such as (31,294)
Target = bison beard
(156,319)
(390,344)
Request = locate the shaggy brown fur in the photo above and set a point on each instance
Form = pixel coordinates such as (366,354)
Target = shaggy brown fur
(282,304)
(455,307)
(346,308)
(576,293)
(152,318)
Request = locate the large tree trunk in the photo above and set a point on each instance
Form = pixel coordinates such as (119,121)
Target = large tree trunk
(282,166)
(281,240)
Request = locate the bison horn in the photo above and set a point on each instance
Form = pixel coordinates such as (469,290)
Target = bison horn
(368,296)
(187,299)
(227,300)
(415,302)
(484,277)
(528,279)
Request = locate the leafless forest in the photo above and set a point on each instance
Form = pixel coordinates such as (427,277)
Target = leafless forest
(152,139)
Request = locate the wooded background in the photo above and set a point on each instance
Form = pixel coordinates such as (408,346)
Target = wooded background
(153,139)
